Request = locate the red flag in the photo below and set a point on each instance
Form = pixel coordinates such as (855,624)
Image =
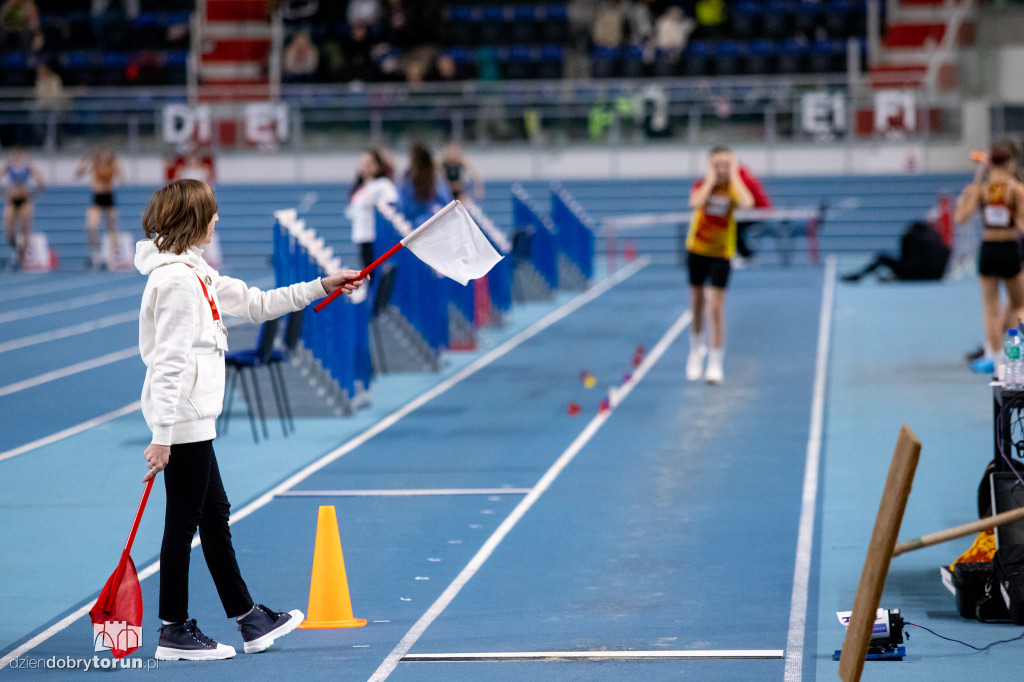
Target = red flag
(117,614)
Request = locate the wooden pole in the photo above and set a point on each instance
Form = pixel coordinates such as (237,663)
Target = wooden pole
(958,531)
(876,563)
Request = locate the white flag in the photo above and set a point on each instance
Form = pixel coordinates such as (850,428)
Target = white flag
(451,243)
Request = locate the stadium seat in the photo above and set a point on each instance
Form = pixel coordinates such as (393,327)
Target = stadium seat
(837,17)
(697,58)
(552,59)
(463,22)
(745,18)
(521,63)
(793,57)
(111,69)
(555,24)
(826,56)
(494,25)
(633,61)
(15,71)
(807,17)
(174,67)
(605,62)
(729,58)
(761,57)
(776,20)
(77,67)
(524,24)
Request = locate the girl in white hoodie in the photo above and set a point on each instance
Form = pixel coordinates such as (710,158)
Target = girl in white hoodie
(182,340)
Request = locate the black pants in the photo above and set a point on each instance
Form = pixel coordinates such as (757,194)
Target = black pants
(196,499)
(366,253)
(742,247)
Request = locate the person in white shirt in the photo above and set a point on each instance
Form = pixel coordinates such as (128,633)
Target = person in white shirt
(373,186)
(182,340)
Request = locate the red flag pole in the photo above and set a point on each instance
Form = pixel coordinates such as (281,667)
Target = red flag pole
(128,547)
(365,271)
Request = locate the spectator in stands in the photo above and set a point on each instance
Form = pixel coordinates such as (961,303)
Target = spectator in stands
(366,12)
(110,24)
(609,24)
(373,186)
(396,24)
(1000,199)
(640,21)
(671,32)
(711,16)
(19,26)
(106,171)
(49,89)
(301,59)
(22,180)
(460,174)
(710,244)
(444,70)
(421,193)
(357,48)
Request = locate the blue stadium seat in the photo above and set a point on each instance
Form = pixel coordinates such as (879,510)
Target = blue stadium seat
(761,57)
(552,58)
(776,20)
(555,25)
(826,56)
(729,58)
(838,16)
(111,69)
(605,61)
(462,25)
(175,63)
(521,63)
(807,17)
(493,25)
(15,71)
(524,23)
(745,18)
(633,61)
(77,66)
(793,57)
(697,58)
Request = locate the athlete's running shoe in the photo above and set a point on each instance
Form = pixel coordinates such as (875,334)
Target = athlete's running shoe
(983,365)
(262,626)
(185,642)
(695,363)
(714,374)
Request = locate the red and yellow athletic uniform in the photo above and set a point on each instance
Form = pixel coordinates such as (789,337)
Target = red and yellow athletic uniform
(998,257)
(713,225)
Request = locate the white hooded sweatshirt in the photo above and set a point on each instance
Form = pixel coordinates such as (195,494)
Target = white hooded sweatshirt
(183,347)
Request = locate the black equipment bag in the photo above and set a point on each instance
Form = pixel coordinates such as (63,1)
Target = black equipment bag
(977,595)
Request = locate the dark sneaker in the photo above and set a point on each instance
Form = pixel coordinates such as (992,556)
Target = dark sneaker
(261,627)
(185,642)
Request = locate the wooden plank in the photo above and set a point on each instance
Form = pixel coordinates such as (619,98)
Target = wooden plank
(879,554)
(958,531)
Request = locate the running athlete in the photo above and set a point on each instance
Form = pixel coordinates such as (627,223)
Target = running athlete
(457,170)
(1000,199)
(106,173)
(710,244)
(19,174)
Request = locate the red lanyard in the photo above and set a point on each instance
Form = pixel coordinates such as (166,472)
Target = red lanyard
(209,299)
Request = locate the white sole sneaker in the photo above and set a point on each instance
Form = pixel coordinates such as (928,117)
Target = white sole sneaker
(222,652)
(714,375)
(695,363)
(262,643)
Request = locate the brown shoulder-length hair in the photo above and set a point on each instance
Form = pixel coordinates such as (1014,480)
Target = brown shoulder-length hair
(177,216)
(422,173)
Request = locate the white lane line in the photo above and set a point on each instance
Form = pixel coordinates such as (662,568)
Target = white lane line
(478,364)
(416,492)
(30,289)
(72,303)
(805,532)
(71,431)
(78,367)
(72,330)
(478,560)
(697,654)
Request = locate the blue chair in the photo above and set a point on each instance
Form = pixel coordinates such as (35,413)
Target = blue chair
(520,63)
(745,18)
(826,56)
(524,24)
(729,58)
(605,61)
(775,23)
(633,61)
(807,17)
(493,25)
(15,72)
(555,26)
(78,67)
(793,57)
(697,58)
(761,57)
(838,18)
(552,58)
(264,355)
(112,69)
(462,23)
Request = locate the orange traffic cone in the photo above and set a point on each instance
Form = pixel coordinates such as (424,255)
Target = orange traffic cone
(330,605)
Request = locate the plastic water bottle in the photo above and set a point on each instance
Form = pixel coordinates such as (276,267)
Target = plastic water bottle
(1013,376)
